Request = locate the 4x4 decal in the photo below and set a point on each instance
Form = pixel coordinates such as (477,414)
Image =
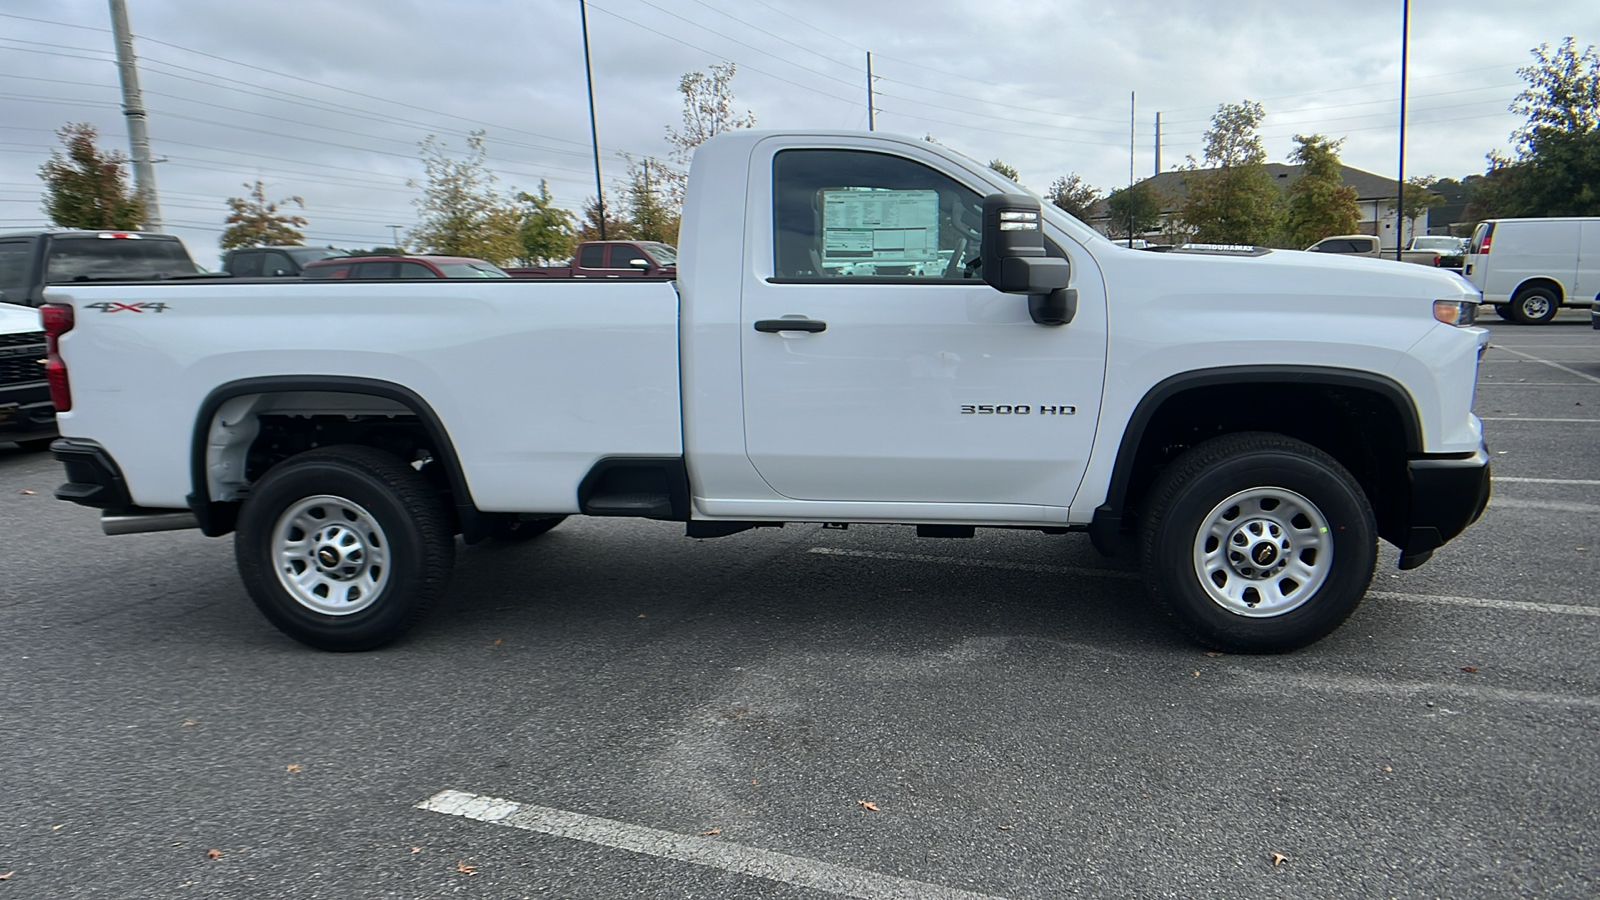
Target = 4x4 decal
(128,307)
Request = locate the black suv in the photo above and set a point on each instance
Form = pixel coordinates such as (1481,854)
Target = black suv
(258,262)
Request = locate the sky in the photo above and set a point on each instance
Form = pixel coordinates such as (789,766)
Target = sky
(328,100)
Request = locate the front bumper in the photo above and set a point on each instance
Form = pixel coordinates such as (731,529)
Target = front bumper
(26,413)
(1447,495)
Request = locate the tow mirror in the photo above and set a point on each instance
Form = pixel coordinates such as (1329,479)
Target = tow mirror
(1014,259)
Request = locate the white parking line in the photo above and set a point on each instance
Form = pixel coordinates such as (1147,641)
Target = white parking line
(1548,480)
(842,881)
(1565,609)
(1338,684)
(1546,505)
(1532,419)
(1554,365)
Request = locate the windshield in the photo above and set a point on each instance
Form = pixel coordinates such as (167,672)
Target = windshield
(663,254)
(472,270)
(89,259)
(1436,243)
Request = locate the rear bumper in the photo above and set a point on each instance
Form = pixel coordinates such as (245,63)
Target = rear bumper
(93,478)
(1447,495)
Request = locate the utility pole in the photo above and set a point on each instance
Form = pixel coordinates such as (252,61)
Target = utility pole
(396,230)
(1133,104)
(144,170)
(594,134)
(872,113)
(1158,143)
(1400,201)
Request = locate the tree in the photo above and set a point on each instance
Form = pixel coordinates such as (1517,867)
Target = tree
(1416,198)
(1555,169)
(1133,210)
(707,112)
(617,229)
(254,222)
(1320,203)
(546,233)
(461,214)
(1006,169)
(1073,195)
(1235,200)
(651,215)
(85,188)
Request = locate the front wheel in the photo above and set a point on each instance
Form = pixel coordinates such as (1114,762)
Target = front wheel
(344,548)
(1258,543)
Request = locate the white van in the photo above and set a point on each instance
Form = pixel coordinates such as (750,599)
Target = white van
(1537,266)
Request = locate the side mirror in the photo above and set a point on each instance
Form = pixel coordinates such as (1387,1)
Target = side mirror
(1014,259)
(639,263)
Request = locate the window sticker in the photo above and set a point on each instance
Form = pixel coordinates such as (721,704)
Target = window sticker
(864,229)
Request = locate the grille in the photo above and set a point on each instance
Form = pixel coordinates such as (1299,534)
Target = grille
(19,358)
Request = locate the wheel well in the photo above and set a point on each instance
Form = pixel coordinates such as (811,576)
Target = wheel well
(242,433)
(1360,427)
(1548,283)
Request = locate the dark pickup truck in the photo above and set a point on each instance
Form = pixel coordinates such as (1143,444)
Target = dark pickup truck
(267,262)
(31,260)
(611,259)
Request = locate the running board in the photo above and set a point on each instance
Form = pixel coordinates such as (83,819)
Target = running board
(138,520)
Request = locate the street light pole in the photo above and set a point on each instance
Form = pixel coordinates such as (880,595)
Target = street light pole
(594,133)
(1400,201)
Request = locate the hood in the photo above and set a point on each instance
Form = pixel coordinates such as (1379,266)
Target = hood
(18,319)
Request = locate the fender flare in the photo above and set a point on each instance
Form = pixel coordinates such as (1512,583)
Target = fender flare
(1108,516)
(217,518)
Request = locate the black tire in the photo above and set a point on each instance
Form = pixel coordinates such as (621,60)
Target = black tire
(1503,311)
(1534,306)
(1188,539)
(376,517)
(37,445)
(516,528)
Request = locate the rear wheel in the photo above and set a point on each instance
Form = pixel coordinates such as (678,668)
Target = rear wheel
(1258,543)
(1534,306)
(344,548)
(1503,311)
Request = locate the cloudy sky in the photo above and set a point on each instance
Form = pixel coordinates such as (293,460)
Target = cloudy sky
(328,99)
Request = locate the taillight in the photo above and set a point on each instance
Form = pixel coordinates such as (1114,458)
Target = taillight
(58,320)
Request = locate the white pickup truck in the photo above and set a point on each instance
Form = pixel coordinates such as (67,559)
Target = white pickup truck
(863,329)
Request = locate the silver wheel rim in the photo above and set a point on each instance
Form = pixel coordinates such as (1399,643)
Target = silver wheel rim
(1535,306)
(1263,552)
(331,555)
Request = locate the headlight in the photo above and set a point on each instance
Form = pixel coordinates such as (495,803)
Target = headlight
(1456,312)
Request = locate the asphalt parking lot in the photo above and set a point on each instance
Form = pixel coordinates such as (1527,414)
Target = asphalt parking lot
(617,711)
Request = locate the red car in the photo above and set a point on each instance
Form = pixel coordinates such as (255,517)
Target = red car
(366,268)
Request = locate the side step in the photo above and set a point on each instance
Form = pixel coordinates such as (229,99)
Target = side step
(138,520)
(654,506)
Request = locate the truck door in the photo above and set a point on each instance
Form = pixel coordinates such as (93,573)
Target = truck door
(904,377)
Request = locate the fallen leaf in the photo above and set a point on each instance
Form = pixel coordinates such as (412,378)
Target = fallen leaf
(868,805)
(497,641)
(213,853)
(1197,673)
(292,767)
(1279,859)
(713,831)
(58,827)
(416,849)
(8,875)
(188,722)
(465,869)
(1388,768)
(30,493)
(752,781)
(640,616)
(1213,654)
(1469,669)
(1005,827)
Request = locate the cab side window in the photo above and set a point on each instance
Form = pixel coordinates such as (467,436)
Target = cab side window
(859,215)
(592,256)
(246,263)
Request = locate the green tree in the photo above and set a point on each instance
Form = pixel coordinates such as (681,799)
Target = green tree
(1006,169)
(708,110)
(1555,167)
(651,215)
(617,228)
(254,222)
(87,188)
(1133,210)
(1234,200)
(1320,203)
(1416,198)
(1073,195)
(547,231)
(461,214)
